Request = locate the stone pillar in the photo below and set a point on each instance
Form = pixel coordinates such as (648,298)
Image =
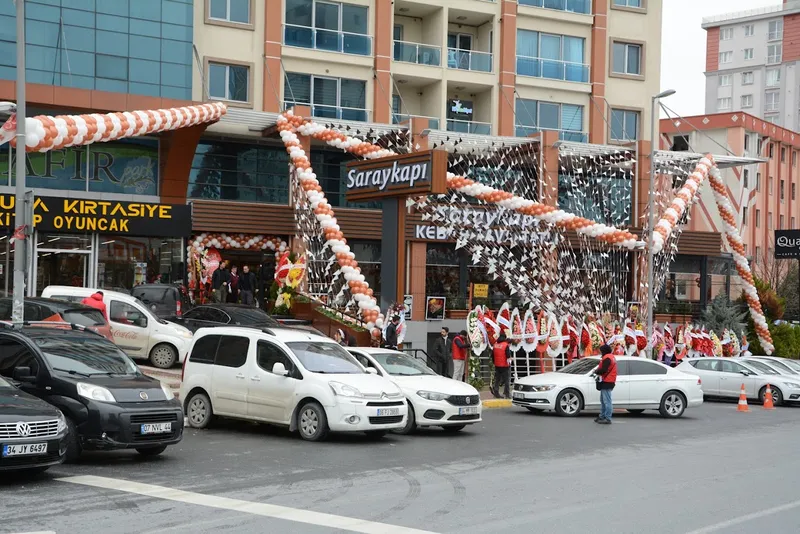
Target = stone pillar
(507,59)
(273,73)
(598,108)
(382,86)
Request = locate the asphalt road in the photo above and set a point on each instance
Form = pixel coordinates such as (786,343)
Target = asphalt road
(715,470)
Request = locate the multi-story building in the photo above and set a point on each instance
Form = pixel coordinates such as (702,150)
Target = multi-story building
(751,63)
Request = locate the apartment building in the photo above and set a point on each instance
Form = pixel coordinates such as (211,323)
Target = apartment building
(501,67)
(751,63)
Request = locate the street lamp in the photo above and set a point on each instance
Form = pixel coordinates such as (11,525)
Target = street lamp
(654,142)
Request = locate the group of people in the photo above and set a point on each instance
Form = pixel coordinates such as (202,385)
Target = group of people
(229,285)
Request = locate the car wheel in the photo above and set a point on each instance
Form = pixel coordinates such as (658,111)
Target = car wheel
(411,422)
(163,356)
(673,404)
(636,411)
(777,396)
(537,411)
(74,448)
(376,434)
(312,422)
(569,403)
(452,429)
(199,411)
(151,451)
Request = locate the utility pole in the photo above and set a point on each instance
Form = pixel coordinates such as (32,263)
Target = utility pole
(20,261)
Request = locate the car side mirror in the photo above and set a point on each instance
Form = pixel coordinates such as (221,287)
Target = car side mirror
(745,372)
(279,369)
(23,374)
(372,370)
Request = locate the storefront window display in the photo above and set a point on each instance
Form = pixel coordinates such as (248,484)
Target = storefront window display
(443,273)
(63,260)
(602,199)
(369,259)
(125,262)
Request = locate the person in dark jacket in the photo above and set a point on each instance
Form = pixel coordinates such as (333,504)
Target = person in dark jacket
(607,378)
(247,285)
(441,353)
(220,283)
(233,285)
(502,355)
(460,351)
(391,333)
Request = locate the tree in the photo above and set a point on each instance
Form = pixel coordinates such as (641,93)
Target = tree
(722,314)
(788,289)
(772,305)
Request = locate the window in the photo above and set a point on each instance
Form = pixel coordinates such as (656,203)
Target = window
(230,10)
(758,218)
(774,53)
(780,222)
(774,119)
(783,157)
(638,368)
(205,350)
(793,227)
(748,54)
(680,143)
(268,355)
(747,78)
(704,365)
(235,353)
(747,101)
(794,158)
(758,181)
(328,26)
(730,367)
(336,98)
(628,3)
(775,30)
(624,125)
(557,57)
(746,177)
(723,103)
(725,57)
(726,34)
(745,249)
(126,314)
(783,185)
(773,77)
(758,252)
(771,181)
(725,80)
(571,6)
(794,191)
(749,30)
(746,142)
(533,115)
(229,82)
(772,103)
(769,220)
(744,216)
(627,59)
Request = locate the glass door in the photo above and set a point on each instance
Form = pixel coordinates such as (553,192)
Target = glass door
(63,260)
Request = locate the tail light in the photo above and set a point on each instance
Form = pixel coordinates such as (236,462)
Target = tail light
(178,307)
(183,367)
(699,382)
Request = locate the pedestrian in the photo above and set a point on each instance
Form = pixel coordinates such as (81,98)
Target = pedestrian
(502,355)
(441,353)
(220,283)
(247,285)
(606,379)
(391,333)
(233,286)
(95,300)
(459,350)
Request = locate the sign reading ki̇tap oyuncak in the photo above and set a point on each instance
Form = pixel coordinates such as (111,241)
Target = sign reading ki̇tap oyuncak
(419,173)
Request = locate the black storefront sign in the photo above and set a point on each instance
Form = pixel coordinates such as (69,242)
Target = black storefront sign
(787,244)
(79,215)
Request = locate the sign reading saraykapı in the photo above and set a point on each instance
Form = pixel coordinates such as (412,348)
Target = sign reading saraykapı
(108,216)
(787,243)
(394,176)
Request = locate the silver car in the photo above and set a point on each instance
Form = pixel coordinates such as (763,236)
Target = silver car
(723,377)
(784,365)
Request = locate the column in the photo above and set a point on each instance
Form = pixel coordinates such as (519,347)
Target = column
(507,57)
(382,42)
(273,73)
(598,68)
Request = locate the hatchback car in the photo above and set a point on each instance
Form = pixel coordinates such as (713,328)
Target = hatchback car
(164,300)
(41,309)
(107,401)
(642,384)
(287,377)
(32,432)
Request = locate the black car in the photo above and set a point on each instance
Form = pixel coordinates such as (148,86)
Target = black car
(42,309)
(165,300)
(225,314)
(107,401)
(32,432)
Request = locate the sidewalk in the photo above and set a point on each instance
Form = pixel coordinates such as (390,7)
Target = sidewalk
(489,401)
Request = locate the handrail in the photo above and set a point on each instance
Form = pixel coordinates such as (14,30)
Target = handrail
(553,69)
(550,4)
(473,127)
(565,135)
(788,6)
(418,53)
(346,42)
(341,112)
(397,118)
(459,58)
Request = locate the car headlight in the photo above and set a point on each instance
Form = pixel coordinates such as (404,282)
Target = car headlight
(167,391)
(62,423)
(186,333)
(794,385)
(343,390)
(92,392)
(432,395)
(545,387)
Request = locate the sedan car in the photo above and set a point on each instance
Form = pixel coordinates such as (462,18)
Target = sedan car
(724,377)
(433,400)
(785,365)
(210,315)
(641,385)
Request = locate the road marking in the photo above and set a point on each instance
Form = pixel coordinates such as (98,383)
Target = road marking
(39,532)
(249,507)
(745,518)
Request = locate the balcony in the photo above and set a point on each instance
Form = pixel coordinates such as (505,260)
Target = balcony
(552,69)
(421,54)
(327,40)
(471,127)
(564,135)
(333,112)
(570,6)
(398,118)
(469,60)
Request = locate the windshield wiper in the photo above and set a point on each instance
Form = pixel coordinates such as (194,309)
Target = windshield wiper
(72,372)
(406,374)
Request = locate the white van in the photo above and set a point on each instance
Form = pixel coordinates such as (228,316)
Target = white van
(287,377)
(136,330)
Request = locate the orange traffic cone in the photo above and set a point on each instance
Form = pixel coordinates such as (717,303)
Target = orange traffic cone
(742,401)
(768,399)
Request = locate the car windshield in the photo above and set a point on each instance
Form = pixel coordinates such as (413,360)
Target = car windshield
(325,358)
(794,365)
(251,317)
(85,317)
(85,356)
(401,365)
(762,367)
(581,367)
(4,383)
(779,366)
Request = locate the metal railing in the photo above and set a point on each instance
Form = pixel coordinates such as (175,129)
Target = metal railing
(571,6)
(471,127)
(788,6)
(564,135)
(774,106)
(328,40)
(333,112)
(397,118)
(418,53)
(552,69)
(775,36)
(458,58)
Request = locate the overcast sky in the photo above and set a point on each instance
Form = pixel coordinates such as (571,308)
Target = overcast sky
(683,51)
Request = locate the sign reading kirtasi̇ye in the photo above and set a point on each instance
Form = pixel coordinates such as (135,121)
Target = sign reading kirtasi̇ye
(787,243)
(398,176)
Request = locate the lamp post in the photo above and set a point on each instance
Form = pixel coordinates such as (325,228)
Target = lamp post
(20,261)
(654,142)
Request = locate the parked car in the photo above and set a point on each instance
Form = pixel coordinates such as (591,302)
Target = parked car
(40,309)
(107,401)
(164,300)
(787,366)
(723,377)
(641,385)
(209,315)
(433,400)
(32,432)
(286,377)
(136,330)
(766,367)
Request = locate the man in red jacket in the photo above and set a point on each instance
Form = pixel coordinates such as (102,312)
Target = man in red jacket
(502,355)
(460,350)
(96,302)
(607,379)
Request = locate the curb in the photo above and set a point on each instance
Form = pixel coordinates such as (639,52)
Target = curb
(496,403)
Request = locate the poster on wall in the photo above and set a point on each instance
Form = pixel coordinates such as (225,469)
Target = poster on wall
(408,305)
(787,244)
(460,110)
(434,308)
(139,273)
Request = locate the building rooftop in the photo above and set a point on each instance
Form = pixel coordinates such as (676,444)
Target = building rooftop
(787,8)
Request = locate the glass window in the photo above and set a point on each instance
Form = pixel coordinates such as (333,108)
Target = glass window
(747,78)
(205,350)
(775,30)
(89,318)
(581,367)
(144,71)
(115,68)
(725,57)
(354,19)
(299,12)
(89,356)
(235,353)
(725,80)
(772,101)
(231,10)
(624,125)
(747,101)
(125,262)
(532,115)
(147,28)
(145,47)
(627,58)
(229,82)
(324,357)
(774,53)
(730,367)
(703,365)
(748,54)
(268,355)
(628,3)
(636,367)
(725,34)
(773,77)
(749,30)
(401,365)
(126,314)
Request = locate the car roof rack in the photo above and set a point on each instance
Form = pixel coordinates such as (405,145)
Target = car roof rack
(73,326)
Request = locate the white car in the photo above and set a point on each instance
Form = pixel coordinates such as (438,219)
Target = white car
(642,384)
(433,400)
(136,330)
(723,377)
(286,377)
(785,365)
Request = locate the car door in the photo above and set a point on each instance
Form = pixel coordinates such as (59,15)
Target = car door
(647,382)
(229,379)
(709,373)
(731,379)
(130,328)
(621,388)
(270,397)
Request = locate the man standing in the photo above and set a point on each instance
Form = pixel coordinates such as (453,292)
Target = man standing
(460,351)
(607,378)
(441,353)
(502,355)
(220,281)
(247,284)
(96,301)
(391,333)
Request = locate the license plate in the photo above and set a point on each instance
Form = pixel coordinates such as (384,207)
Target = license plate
(27,449)
(157,428)
(470,410)
(384,412)
(517,395)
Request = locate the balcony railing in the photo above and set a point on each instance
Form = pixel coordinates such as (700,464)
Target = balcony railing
(564,135)
(552,69)
(472,127)
(328,40)
(333,112)
(572,6)
(469,60)
(420,54)
(397,118)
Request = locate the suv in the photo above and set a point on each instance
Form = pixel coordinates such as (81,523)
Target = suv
(107,401)
(39,309)
(164,300)
(286,377)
